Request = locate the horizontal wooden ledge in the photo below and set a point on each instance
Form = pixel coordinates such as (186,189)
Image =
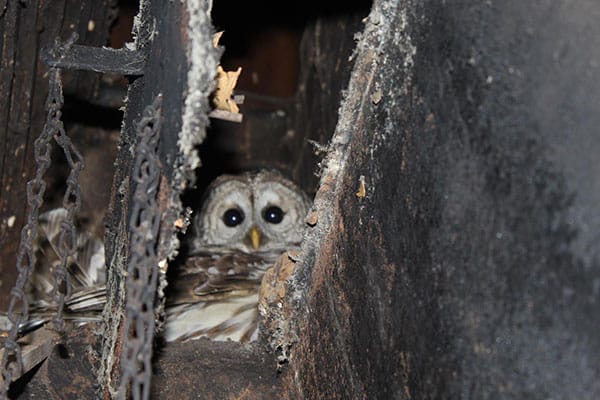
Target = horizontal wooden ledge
(99,59)
(35,348)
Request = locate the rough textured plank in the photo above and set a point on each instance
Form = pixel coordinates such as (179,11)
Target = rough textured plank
(35,348)
(98,59)
(68,373)
(176,41)
(470,268)
(197,369)
(214,370)
(314,114)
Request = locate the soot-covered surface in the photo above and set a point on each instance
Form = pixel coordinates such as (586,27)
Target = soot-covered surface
(470,267)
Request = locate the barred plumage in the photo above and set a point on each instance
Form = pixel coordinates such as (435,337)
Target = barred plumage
(215,293)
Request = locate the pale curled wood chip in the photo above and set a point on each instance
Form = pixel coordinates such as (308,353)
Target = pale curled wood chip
(226,81)
(362,188)
(226,105)
(180,223)
(312,218)
(216,37)
(226,115)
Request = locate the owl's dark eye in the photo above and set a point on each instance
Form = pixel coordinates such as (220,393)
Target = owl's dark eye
(233,217)
(273,215)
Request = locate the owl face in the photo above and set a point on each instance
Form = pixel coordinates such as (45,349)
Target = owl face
(253,212)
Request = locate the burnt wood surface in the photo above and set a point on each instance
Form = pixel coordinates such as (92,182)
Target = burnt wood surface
(326,61)
(196,369)
(68,372)
(175,39)
(468,265)
(214,371)
(100,59)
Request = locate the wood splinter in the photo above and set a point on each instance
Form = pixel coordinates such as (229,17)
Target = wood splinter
(35,348)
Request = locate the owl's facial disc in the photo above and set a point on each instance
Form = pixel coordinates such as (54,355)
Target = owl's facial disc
(226,217)
(279,210)
(254,213)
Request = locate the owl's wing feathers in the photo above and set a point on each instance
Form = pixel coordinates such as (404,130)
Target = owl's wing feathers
(90,300)
(86,265)
(86,272)
(210,277)
(89,268)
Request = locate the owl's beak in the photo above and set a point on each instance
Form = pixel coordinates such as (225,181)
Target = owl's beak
(254,237)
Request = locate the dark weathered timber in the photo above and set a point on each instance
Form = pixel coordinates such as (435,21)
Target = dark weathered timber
(197,369)
(314,114)
(96,20)
(99,59)
(175,39)
(68,373)
(214,371)
(25,29)
(469,268)
(284,132)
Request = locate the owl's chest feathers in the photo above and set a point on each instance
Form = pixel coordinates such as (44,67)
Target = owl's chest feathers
(216,296)
(234,318)
(213,277)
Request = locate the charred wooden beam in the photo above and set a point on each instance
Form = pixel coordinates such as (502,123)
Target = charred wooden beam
(35,348)
(454,243)
(68,372)
(215,370)
(181,64)
(98,59)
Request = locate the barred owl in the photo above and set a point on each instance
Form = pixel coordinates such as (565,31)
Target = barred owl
(245,223)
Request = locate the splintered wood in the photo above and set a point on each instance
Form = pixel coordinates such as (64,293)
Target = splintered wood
(35,348)
(224,101)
